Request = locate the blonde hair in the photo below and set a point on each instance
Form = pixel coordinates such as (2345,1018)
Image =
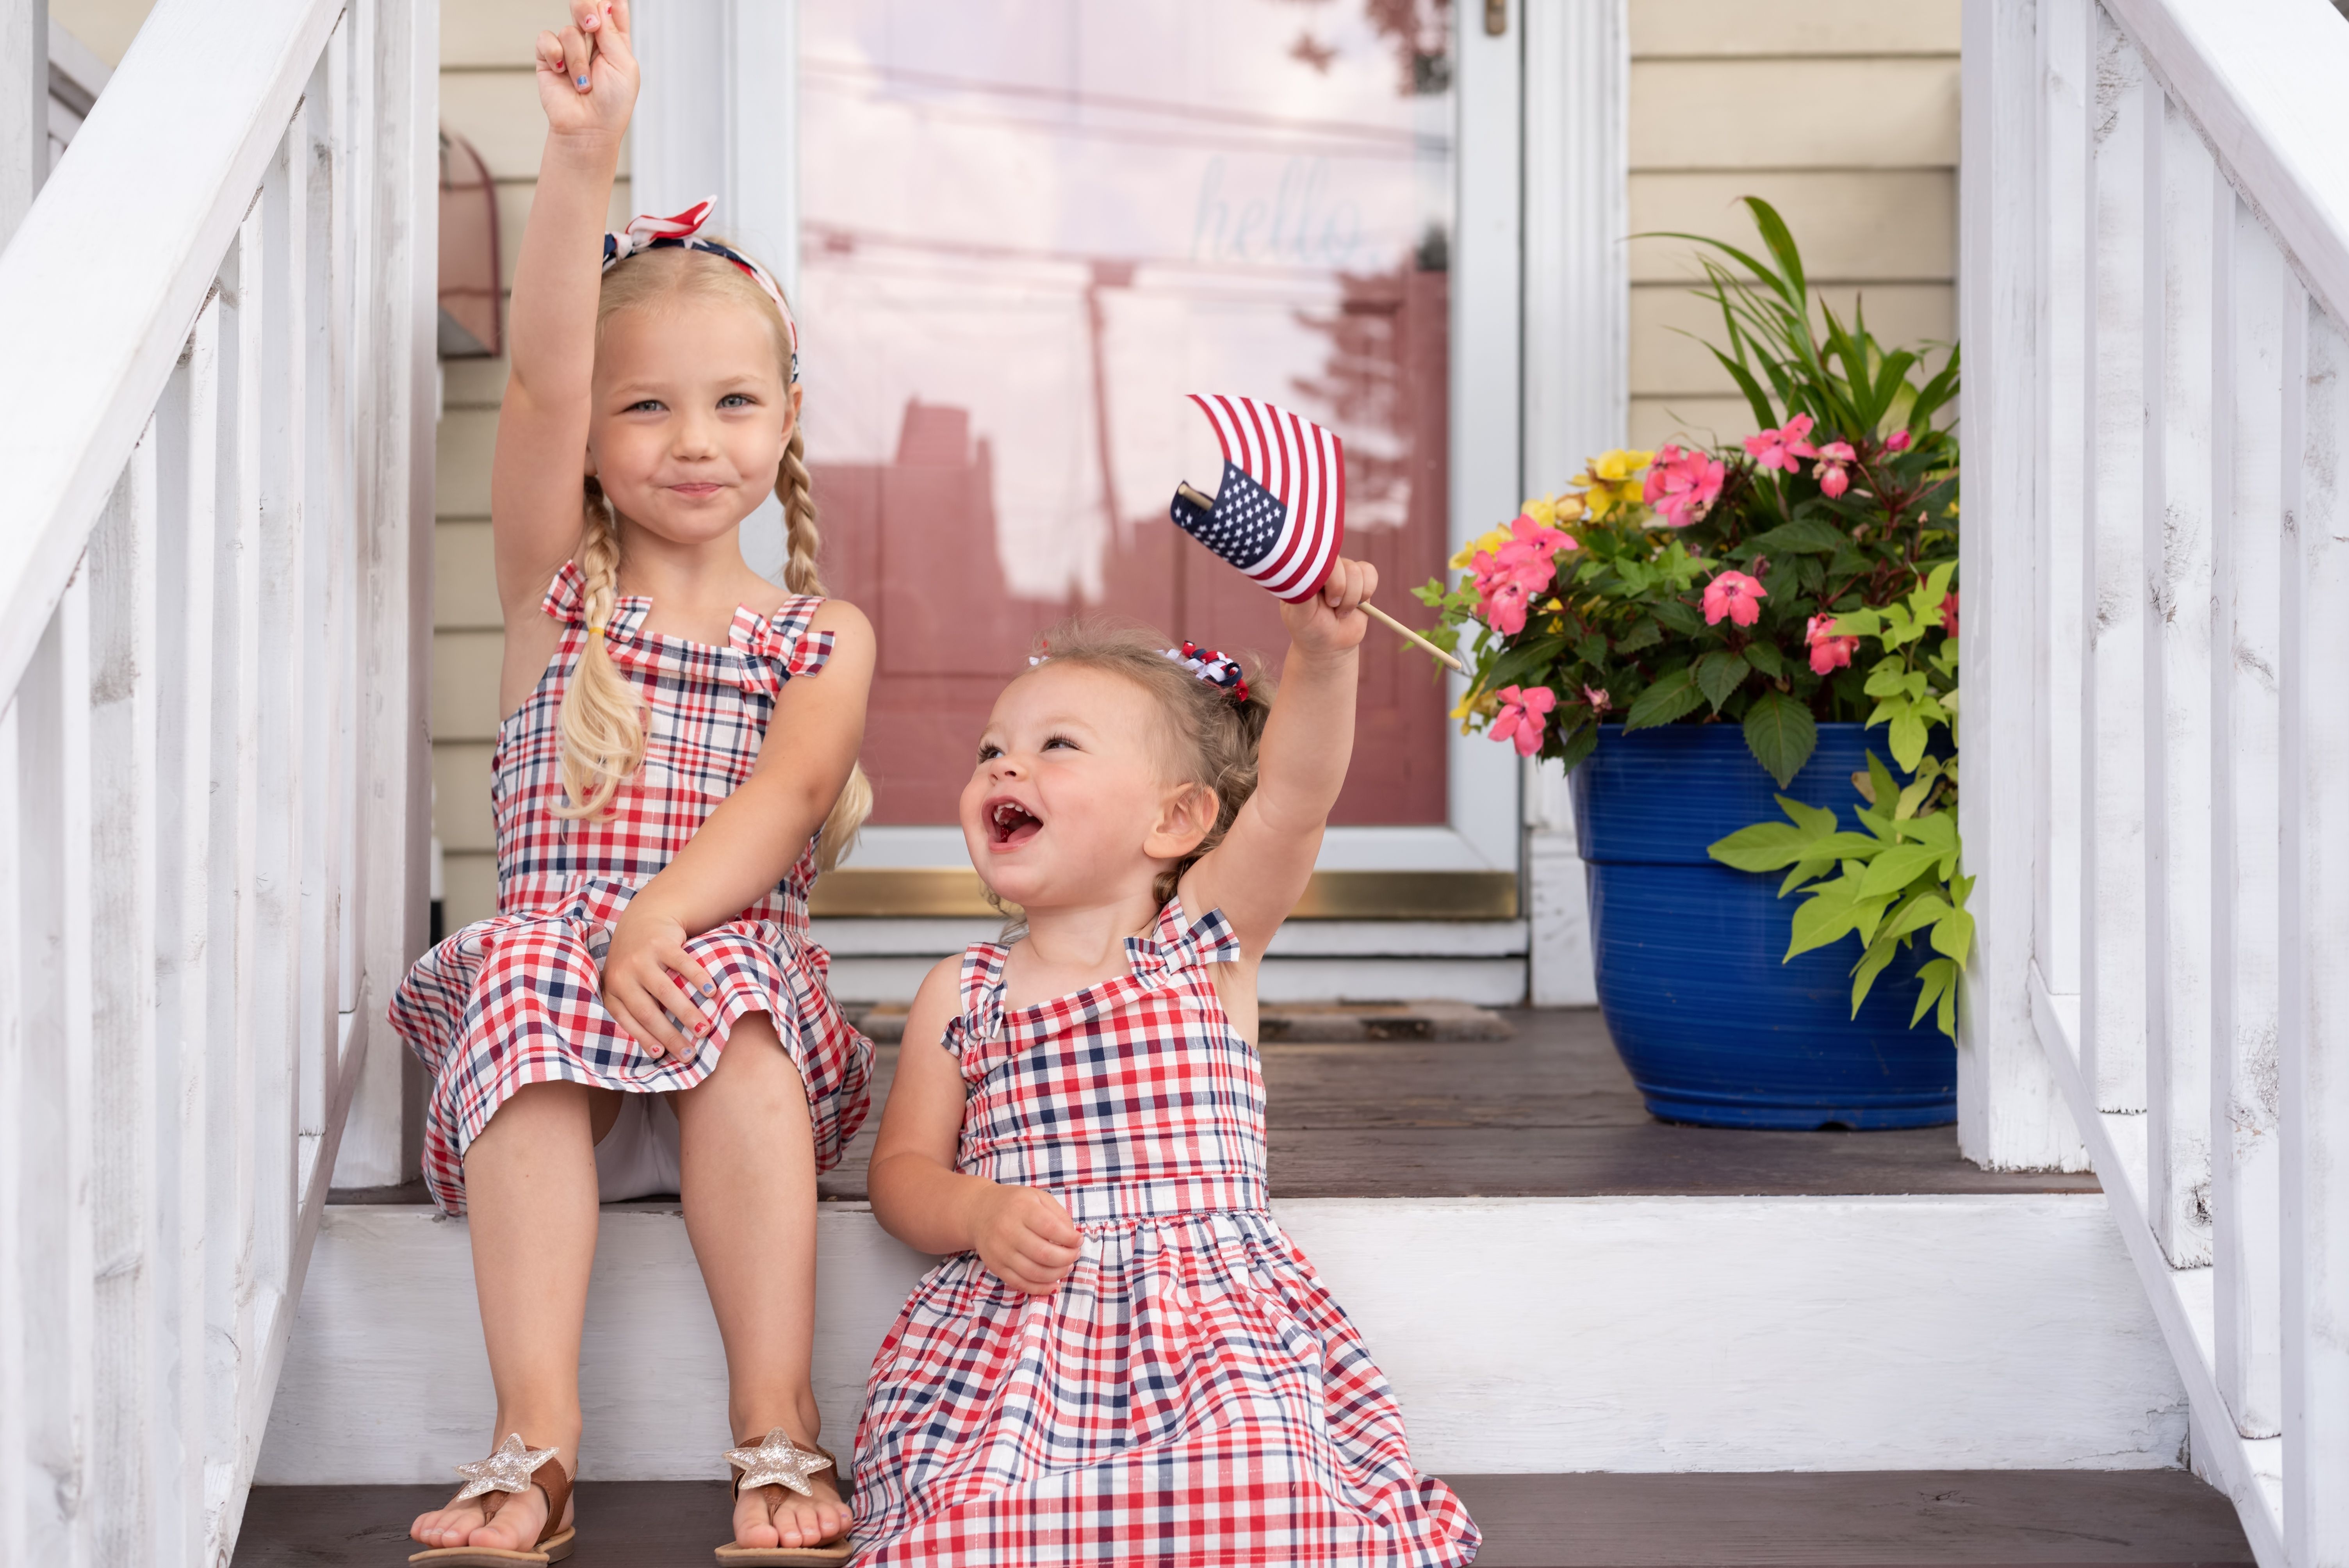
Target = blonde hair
(600,726)
(1211,740)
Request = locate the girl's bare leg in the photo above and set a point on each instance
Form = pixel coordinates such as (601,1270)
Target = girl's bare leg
(530,1200)
(749,1173)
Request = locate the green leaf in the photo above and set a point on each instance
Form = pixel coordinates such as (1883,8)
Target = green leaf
(1953,935)
(1894,869)
(1858,623)
(1871,964)
(1719,674)
(1817,819)
(1679,617)
(1937,983)
(1765,657)
(1919,911)
(1577,746)
(1673,695)
(1827,916)
(1644,634)
(1591,650)
(1781,733)
(1939,830)
(1907,740)
(1804,535)
(1764,847)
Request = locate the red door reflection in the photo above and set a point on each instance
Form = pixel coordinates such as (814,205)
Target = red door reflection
(1028,229)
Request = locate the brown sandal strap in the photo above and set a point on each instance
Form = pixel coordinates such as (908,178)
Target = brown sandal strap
(552,1479)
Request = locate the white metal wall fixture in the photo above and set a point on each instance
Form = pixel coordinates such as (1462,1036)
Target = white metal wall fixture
(2156,310)
(215,413)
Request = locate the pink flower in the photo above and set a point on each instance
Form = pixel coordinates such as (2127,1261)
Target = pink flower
(1898,443)
(1597,698)
(1683,485)
(1538,537)
(1829,651)
(1949,614)
(1733,594)
(1506,584)
(1525,714)
(1780,448)
(1830,473)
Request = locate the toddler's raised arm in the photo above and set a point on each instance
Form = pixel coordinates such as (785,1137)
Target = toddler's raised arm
(1259,871)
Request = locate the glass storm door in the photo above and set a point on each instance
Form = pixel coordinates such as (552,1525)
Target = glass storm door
(1024,230)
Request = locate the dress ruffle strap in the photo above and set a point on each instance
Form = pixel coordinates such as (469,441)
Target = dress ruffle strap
(981,1019)
(566,597)
(1178,946)
(781,647)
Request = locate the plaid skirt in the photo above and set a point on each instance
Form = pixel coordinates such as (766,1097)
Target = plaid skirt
(516,999)
(1191,1395)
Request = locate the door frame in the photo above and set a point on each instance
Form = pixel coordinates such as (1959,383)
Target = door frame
(1539,189)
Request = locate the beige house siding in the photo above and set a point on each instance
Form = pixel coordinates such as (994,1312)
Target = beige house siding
(1843,114)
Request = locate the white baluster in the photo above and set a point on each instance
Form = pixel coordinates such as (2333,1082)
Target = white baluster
(2123,114)
(2180,181)
(2314,1044)
(120,567)
(188,480)
(2066,34)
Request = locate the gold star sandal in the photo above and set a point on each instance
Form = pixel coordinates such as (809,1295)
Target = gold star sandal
(512,1470)
(779,1461)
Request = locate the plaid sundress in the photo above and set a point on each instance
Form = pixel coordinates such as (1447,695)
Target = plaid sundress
(1191,1393)
(516,999)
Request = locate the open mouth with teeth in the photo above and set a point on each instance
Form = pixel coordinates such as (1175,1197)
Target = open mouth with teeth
(1010,824)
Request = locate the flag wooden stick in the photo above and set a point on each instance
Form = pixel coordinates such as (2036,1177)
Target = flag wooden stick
(1206,503)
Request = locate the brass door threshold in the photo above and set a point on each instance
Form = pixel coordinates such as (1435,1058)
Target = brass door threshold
(955,892)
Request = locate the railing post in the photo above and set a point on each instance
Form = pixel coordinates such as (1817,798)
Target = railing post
(2009,1110)
(2315,1040)
(24,109)
(2247,459)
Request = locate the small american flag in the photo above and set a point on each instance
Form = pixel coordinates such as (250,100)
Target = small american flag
(1280,512)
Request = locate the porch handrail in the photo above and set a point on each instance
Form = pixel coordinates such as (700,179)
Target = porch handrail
(2155,303)
(215,423)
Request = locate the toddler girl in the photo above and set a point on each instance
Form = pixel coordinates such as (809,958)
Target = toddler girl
(677,760)
(1126,1360)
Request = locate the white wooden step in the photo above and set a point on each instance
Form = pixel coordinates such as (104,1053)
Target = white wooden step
(1523,1335)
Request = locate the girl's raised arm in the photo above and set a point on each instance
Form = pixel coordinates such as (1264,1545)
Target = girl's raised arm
(1259,871)
(588,86)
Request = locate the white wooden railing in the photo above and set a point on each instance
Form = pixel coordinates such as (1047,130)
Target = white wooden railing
(2156,312)
(215,422)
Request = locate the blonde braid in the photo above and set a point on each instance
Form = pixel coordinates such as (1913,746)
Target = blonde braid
(603,739)
(792,488)
(800,537)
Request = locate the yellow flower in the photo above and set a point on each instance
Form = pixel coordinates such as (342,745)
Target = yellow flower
(1474,705)
(1465,556)
(1556,511)
(1614,479)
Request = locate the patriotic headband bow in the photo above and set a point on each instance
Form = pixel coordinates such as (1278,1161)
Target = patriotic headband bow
(1215,669)
(647,233)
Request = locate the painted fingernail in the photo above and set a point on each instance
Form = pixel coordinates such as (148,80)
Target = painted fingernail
(592,22)
(581,80)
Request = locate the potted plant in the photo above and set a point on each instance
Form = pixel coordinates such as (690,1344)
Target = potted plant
(1747,657)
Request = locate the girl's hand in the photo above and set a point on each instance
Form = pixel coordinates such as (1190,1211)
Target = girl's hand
(646,971)
(588,72)
(1026,1238)
(1330,623)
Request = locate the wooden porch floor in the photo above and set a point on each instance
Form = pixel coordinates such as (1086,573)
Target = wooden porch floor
(1549,1112)
(1893,1519)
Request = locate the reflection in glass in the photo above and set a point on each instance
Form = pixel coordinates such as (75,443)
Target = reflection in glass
(1028,229)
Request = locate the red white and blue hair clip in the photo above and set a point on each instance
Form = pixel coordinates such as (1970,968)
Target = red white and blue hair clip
(647,233)
(1215,669)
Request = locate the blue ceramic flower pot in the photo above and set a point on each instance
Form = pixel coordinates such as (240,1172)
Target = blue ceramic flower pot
(1715,1029)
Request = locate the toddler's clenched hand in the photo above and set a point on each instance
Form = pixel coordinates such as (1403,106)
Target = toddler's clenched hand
(1026,1238)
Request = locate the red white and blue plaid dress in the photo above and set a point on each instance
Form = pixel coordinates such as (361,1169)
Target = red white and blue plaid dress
(1191,1393)
(515,999)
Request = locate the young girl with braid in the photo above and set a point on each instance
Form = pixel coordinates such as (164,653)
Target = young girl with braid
(676,765)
